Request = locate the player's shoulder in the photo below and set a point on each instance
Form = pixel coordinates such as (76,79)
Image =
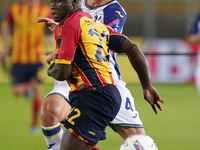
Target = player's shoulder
(17,4)
(114,5)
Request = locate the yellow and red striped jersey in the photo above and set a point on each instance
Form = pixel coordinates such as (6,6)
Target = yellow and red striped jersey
(82,42)
(27,40)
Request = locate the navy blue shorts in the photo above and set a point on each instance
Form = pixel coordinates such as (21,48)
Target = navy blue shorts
(22,73)
(92,111)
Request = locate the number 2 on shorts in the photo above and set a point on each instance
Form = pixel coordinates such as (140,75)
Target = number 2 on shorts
(78,113)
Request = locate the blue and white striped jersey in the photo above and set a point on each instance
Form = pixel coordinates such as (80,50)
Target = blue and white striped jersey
(111,14)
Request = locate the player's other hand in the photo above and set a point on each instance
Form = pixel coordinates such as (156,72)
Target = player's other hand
(152,96)
(50,57)
(50,23)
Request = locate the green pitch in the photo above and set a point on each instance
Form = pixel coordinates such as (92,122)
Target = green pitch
(177,127)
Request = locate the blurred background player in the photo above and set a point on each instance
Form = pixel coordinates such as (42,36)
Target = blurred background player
(194,38)
(55,108)
(27,49)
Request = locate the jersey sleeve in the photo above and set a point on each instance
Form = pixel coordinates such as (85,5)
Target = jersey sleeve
(195,28)
(115,17)
(116,41)
(67,42)
(9,18)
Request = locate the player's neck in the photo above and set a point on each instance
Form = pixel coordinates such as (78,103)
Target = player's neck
(94,3)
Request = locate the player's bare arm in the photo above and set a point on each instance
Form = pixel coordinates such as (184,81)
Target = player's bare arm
(140,64)
(4,51)
(138,61)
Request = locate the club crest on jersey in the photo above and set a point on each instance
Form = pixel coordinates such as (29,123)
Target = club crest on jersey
(59,33)
(61,51)
(138,146)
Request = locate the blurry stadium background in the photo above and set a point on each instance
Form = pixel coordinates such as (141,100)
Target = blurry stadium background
(159,28)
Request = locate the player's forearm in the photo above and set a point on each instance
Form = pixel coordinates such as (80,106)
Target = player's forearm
(5,35)
(140,65)
(138,62)
(4,48)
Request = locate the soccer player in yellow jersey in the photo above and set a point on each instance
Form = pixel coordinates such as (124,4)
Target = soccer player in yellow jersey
(82,59)
(27,50)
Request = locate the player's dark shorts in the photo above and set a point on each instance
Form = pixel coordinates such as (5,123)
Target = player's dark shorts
(22,73)
(92,111)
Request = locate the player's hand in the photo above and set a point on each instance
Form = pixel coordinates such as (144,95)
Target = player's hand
(50,57)
(152,96)
(50,23)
